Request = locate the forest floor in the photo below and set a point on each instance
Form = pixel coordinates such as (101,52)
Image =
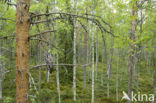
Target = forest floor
(48,93)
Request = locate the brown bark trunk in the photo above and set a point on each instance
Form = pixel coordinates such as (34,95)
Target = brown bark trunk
(22,50)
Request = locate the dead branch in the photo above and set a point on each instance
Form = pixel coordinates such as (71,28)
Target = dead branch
(94,20)
(39,40)
(7,50)
(37,66)
(7,19)
(38,34)
(99,18)
(46,42)
(83,26)
(6,37)
(11,4)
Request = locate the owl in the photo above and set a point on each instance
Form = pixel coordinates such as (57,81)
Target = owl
(49,61)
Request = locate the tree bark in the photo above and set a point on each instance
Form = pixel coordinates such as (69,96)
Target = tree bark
(154,67)
(109,70)
(132,51)
(102,55)
(1,79)
(22,50)
(57,78)
(92,100)
(74,50)
(139,55)
(97,55)
(117,76)
(85,50)
(40,60)
(49,40)
(74,62)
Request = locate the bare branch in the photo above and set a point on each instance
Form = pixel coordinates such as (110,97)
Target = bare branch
(38,34)
(11,4)
(6,37)
(7,19)
(94,20)
(37,66)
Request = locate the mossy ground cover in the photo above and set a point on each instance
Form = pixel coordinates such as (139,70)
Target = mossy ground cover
(48,92)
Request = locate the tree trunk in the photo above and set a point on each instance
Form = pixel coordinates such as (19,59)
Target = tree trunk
(117,76)
(1,79)
(40,61)
(97,55)
(132,51)
(102,55)
(74,50)
(57,78)
(0,89)
(111,58)
(48,39)
(74,62)
(154,67)
(22,50)
(57,61)
(85,50)
(139,55)
(92,100)
(109,70)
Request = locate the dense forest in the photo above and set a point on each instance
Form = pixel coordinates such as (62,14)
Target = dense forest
(77,51)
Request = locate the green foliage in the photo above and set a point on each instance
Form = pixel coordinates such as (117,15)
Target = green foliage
(45,96)
(116,13)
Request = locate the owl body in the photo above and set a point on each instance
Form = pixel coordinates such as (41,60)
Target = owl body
(49,61)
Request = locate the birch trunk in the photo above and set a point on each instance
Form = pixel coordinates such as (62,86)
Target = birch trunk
(92,100)
(57,78)
(57,61)
(74,67)
(117,77)
(74,50)
(40,60)
(97,55)
(111,59)
(108,77)
(22,51)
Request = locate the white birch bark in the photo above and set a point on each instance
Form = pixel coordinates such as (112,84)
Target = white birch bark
(74,50)
(117,78)
(40,60)
(57,78)
(108,70)
(74,67)
(97,55)
(57,58)
(92,100)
